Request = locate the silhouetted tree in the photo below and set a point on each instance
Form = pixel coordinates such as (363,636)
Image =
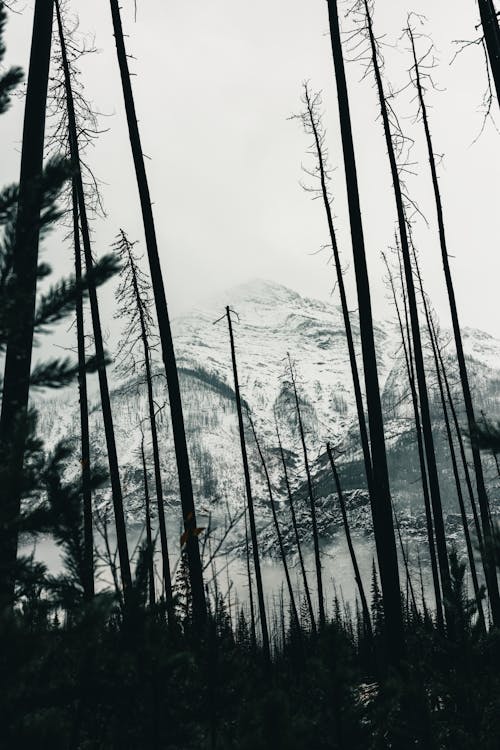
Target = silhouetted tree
(114,471)
(405,333)
(312,504)
(149,534)
(276,525)
(135,307)
(248,489)
(165,334)
(382,511)
(486,7)
(352,553)
(16,381)
(413,309)
(298,543)
(491,31)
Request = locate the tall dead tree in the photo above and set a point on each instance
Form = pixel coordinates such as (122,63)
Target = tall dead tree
(165,333)
(403,324)
(491,577)
(114,471)
(352,553)
(311,120)
(415,325)
(253,634)
(84,407)
(310,491)
(276,526)
(298,543)
(17,367)
(382,509)
(248,488)
(135,307)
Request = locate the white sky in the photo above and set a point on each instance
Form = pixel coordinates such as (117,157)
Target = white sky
(215,83)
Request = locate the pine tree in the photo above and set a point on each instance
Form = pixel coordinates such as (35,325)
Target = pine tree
(18,351)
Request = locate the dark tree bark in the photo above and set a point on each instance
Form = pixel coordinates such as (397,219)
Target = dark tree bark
(149,534)
(312,505)
(13,417)
(407,350)
(363,432)
(167,346)
(248,488)
(114,471)
(491,31)
(296,533)
(352,553)
(253,634)
(167,577)
(415,329)
(456,476)
(84,410)
(277,527)
(491,576)
(382,509)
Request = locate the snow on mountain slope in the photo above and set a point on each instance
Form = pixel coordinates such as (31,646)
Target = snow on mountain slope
(273,320)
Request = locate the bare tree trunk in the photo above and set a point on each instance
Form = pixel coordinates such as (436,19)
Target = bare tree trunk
(363,432)
(248,487)
(312,506)
(84,410)
(490,571)
(114,471)
(167,346)
(297,536)
(381,510)
(149,535)
(415,329)
(277,527)
(456,476)
(406,341)
(253,635)
(357,575)
(17,367)
(167,577)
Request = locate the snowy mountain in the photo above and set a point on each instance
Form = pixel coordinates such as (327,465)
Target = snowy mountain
(274,320)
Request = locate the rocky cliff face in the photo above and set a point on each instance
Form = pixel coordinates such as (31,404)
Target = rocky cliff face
(274,320)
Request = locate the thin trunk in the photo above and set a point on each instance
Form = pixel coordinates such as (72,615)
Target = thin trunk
(491,576)
(167,346)
(381,510)
(15,394)
(405,338)
(404,555)
(248,487)
(365,444)
(167,577)
(357,575)
(149,535)
(312,506)
(456,476)
(84,411)
(277,527)
(489,22)
(416,338)
(116,490)
(297,536)
(253,635)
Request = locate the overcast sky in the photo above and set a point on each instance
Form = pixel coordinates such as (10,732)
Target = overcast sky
(215,83)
